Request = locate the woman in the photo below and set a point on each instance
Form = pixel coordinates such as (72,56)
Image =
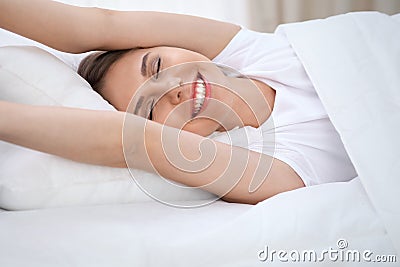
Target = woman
(170,55)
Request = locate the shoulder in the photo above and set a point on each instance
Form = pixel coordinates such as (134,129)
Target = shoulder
(248,48)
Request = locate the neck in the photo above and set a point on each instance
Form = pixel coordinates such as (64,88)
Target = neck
(252,103)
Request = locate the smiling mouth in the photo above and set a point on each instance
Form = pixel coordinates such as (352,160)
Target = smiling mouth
(201,94)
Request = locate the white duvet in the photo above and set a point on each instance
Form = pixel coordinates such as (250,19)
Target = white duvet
(354,62)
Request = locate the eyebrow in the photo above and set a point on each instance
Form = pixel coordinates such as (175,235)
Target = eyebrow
(144,64)
(138,105)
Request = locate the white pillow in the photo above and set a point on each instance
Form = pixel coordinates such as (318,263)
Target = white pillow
(8,38)
(31,179)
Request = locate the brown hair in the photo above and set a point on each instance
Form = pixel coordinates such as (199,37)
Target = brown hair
(95,66)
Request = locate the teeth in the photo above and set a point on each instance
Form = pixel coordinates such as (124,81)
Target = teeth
(200,96)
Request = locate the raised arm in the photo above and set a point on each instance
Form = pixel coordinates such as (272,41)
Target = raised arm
(79,29)
(97,137)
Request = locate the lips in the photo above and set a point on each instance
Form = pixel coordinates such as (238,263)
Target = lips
(201,93)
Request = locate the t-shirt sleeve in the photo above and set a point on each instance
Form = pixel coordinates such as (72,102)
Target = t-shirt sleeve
(236,53)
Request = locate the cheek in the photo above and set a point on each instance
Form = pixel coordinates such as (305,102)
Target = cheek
(164,113)
(172,115)
(177,117)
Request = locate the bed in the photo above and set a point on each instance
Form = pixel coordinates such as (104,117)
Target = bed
(61,213)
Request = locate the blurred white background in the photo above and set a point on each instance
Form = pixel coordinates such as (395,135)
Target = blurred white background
(261,15)
(265,15)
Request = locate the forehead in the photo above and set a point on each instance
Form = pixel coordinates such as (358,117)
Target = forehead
(125,72)
(123,79)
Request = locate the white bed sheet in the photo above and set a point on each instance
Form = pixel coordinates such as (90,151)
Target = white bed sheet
(113,235)
(220,234)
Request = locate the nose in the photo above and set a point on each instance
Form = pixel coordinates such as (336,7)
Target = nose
(179,95)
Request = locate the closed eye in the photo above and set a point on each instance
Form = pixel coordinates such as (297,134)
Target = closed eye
(150,117)
(157,67)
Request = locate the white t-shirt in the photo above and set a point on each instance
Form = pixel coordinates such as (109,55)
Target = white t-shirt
(304,136)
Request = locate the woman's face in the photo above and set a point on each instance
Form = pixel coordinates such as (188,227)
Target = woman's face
(172,86)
